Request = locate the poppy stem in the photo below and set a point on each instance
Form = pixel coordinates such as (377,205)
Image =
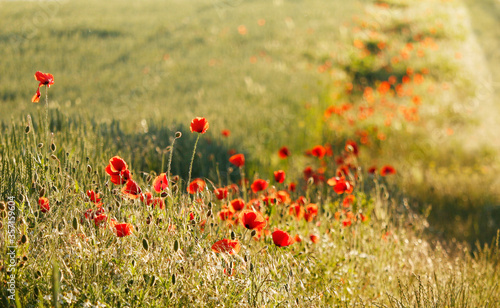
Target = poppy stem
(243,184)
(192,159)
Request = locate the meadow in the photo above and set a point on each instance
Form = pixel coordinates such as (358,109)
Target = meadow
(368,131)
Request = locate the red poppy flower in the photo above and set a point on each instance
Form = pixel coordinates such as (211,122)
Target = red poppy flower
(147,198)
(197,185)
(372,169)
(352,147)
(387,170)
(284,196)
(158,202)
(226,246)
(252,220)
(319,151)
(340,185)
(238,160)
(237,204)
(123,229)
(259,185)
(282,239)
(226,214)
(221,193)
(296,210)
(132,189)
(346,222)
(160,183)
(314,238)
(284,152)
(226,132)
(297,238)
(199,125)
(94,197)
(302,200)
(45,80)
(348,201)
(311,211)
(118,170)
(44,204)
(36,97)
(100,218)
(279,176)
(292,187)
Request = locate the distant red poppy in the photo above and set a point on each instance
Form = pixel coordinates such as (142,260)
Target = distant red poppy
(284,152)
(387,170)
(292,187)
(221,193)
(197,185)
(45,80)
(199,125)
(311,211)
(314,238)
(284,196)
(94,197)
(238,204)
(372,169)
(282,239)
(226,132)
(340,185)
(346,222)
(158,202)
(297,211)
(279,176)
(131,189)
(297,238)
(226,214)
(319,151)
(259,185)
(352,147)
(226,246)
(238,160)
(160,183)
(252,220)
(44,204)
(348,201)
(100,218)
(123,229)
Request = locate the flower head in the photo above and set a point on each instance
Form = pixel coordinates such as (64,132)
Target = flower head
(226,246)
(123,229)
(238,160)
(44,204)
(197,185)
(160,183)
(252,220)
(199,125)
(259,185)
(282,239)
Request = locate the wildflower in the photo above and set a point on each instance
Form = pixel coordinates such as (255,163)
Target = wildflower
(123,229)
(131,189)
(118,170)
(44,204)
(281,238)
(296,210)
(314,238)
(284,152)
(292,187)
(221,193)
(319,151)
(279,176)
(226,246)
(348,201)
(199,125)
(340,185)
(197,185)
(226,132)
(238,160)
(237,204)
(387,170)
(352,147)
(94,197)
(259,185)
(45,80)
(226,214)
(311,211)
(160,183)
(252,220)
(99,219)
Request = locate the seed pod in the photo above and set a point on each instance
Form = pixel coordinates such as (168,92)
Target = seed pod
(24,239)
(145,244)
(233,235)
(75,223)
(42,192)
(27,129)
(164,194)
(253,233)
(53,157)
(173,278)
(40,145)
(176,245)
(89,168)
(53,147)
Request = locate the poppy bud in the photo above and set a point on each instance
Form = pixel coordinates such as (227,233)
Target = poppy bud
(40,145)
(53,147)
(178,135)
(27,129)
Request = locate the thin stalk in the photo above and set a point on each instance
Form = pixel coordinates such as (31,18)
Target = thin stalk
(192,159)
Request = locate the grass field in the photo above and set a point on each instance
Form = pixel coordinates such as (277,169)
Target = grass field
(412,85)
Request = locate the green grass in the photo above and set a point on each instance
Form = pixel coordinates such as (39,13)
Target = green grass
(129,75)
